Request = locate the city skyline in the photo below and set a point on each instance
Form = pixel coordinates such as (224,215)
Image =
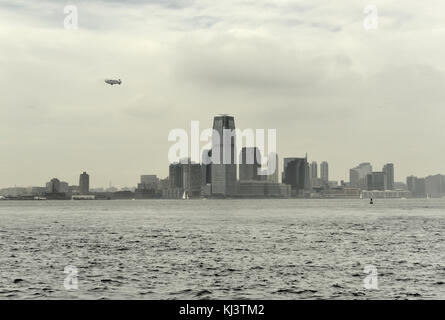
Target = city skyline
(240,156)
(309,70)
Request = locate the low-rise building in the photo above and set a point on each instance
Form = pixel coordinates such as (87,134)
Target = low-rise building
(263,189)
(387,194)
(341,193)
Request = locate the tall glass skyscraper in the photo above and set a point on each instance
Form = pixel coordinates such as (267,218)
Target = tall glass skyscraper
(296,174)
(84,183)
(224,182)
(250,163)
(314,170)
(388,169)
(273,157)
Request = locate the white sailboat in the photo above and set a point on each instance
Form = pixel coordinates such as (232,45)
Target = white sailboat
(185,195)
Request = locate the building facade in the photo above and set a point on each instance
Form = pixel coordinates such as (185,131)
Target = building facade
(388,169)
(273,163)
(84,184)
(416,186)
(250,164)
(358,175)
(387,194)
(224,167)
(296,174)
(435,186)
(324,171)
(263,189)
(175,176)
(206,167)
(313,170)
(192,180)
(376,181)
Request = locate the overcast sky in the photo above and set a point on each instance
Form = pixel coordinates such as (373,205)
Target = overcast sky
(307,68)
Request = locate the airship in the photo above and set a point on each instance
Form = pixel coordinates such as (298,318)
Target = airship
(112,82)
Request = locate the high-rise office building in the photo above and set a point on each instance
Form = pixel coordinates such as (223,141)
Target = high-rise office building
(64,187)
(417,186)
(435,186)
(314,170)
(296,174)
(357,175)
(250,164)
(53,186)
(388,169)
(354,178)
(185,180)
(206,167)
(149,187)
(273,163)
(324,171)
(376,181)
(224,180)
(175,176)
(84,183)
(56,189)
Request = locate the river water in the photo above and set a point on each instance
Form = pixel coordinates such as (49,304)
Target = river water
(222,249)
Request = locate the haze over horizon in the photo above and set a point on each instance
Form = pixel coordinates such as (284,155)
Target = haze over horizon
(309,69)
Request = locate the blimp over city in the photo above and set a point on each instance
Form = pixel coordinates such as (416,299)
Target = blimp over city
(113,82)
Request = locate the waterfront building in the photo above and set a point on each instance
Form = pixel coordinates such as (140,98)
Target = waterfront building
(250,164)
(206,167)
(185,179)
(357,175)
(273,162)
(376,181)
(341,193)
(313,170)
(435,186)
(296,174)
(416,186)
(148,188)
(324,171)
(224,167)
(192,179)
(386,194)
(53,186)
(149,181)
(84,183)
(263,189)
(175,176)
(388,169)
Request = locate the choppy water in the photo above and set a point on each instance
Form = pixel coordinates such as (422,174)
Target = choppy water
(200,249)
